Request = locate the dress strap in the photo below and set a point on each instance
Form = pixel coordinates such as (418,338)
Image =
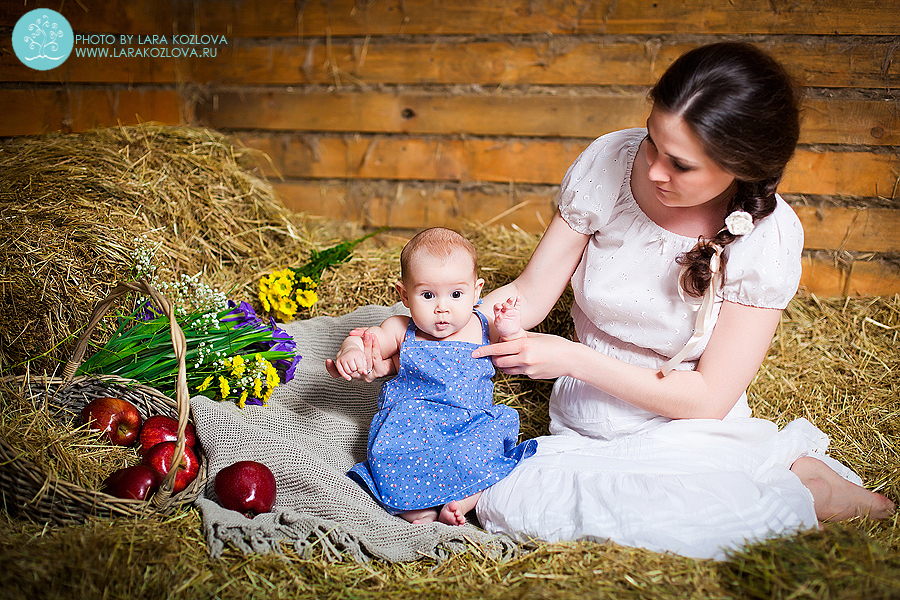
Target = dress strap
(410,331)
(704,314)
(485,327)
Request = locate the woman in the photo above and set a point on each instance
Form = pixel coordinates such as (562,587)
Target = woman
(652,441)
(681,257)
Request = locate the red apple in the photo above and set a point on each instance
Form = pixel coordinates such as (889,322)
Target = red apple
(247,487)
(134,483)
(160,428)
(118,419)
(160,456)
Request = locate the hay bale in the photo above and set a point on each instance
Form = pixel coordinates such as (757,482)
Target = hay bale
(74,206)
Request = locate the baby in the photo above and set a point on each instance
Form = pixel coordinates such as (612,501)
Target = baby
(437,440)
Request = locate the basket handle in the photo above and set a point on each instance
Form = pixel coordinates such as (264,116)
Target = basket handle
(179,344)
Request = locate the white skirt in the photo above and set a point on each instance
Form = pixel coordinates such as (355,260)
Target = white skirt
(694,487)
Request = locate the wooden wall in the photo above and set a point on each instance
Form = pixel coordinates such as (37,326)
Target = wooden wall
(412,113)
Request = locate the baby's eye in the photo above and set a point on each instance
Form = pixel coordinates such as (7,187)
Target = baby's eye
(428,295)
(456,295)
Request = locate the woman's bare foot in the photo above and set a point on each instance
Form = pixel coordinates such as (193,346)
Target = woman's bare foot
(422,516)
(454,512)
(835,498)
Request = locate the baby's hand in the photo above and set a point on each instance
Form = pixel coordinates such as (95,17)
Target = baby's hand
(507,319)
(350,363)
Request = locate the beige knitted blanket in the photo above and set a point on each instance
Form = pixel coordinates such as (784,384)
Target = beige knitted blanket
(314,429)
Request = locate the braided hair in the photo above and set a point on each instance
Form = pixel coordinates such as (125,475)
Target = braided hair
(744,108)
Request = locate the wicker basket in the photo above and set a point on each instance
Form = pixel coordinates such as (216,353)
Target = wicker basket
(26,490)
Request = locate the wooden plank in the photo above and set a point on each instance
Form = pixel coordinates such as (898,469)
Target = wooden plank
(120,70)
(856,230)
(583,115)
(425,112)
(39,111)
(357,157)
(443,17)
(873,278)
(529,161)
(875,122)
(147,17)
(843,173)
(824,278)
(287,18)
(562,60)
(419,206)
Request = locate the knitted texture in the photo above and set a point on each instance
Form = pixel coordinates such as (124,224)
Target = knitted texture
(313,431)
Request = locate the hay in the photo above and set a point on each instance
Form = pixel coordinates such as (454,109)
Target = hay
(73,206)
(167,559)
(836,362)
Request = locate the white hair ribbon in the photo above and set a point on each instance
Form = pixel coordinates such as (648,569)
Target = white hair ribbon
(704,314)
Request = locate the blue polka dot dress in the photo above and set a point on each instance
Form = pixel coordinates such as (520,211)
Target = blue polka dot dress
(437,435)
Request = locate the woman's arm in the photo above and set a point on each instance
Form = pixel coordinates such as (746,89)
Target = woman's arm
(736,349)
(546,275)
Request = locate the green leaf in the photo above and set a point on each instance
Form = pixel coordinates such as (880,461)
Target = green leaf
(319,261)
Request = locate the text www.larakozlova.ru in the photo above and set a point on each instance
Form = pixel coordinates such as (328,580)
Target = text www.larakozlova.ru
(98,45)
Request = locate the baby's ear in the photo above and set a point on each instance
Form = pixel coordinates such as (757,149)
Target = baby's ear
(479,284)
(401,290)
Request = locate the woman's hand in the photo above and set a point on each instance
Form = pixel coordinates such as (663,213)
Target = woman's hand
(538,355)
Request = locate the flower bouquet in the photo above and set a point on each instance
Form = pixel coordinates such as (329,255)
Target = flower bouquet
(284,292)
(232,354)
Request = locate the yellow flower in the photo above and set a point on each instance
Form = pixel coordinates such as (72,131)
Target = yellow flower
(272,379)
(308,283)
(223,387)
(264,299)
(282,287)
(285,309)
(243,401)
(257,387)
(306,298)
(205,385)
(237,366)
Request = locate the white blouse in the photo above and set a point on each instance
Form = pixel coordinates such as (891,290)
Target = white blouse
(626,286)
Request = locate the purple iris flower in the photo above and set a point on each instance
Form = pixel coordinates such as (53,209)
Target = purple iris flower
(149,311)
(281,340)
(289,372)
(243,313)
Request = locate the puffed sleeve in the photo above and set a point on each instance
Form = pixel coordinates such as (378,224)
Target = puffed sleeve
(764,266)
(592,184)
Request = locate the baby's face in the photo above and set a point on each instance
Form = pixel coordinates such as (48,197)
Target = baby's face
(440,294)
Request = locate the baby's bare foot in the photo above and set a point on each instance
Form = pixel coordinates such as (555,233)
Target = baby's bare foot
(422,516)
(452,514)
